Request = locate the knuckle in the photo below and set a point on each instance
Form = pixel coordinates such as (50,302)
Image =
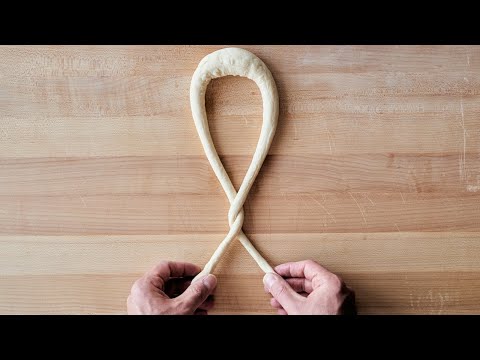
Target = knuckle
(317,281)
(334,283)
(310,262)
(161,264)
(137,288)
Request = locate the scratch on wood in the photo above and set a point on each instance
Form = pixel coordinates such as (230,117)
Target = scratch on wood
(323,207)
(359,208)
(403,199)
(307,206)
(442,302)
(304,203)
(371,202)
(473,188)
(4,134)
(464,135)
(295,137)
(269,216)
(398,229)
(330,141)
(83,201)
(462,165)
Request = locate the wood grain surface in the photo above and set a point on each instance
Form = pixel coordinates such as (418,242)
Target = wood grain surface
(374,172)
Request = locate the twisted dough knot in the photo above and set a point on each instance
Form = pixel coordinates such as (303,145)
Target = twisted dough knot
(237,62)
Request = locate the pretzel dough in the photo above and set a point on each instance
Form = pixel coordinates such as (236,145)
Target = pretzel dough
(237,62)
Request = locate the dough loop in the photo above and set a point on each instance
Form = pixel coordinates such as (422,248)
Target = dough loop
(237,62)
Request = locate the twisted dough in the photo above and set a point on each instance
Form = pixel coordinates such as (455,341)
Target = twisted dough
(237,62)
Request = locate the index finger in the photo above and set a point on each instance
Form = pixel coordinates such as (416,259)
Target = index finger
(301,269)
(168,269)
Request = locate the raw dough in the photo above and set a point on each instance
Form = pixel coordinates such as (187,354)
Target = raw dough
(237,62)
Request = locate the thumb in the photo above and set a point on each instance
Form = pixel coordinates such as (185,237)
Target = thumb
(197,293)
(283,293)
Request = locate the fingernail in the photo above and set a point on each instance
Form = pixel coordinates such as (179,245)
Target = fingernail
(269,279)
(210,281)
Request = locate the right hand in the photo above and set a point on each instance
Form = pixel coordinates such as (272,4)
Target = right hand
(308,289)
(167,289)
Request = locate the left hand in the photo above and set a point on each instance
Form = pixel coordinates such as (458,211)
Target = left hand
(167,289)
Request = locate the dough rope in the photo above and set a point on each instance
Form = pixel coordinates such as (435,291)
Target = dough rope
(237,62)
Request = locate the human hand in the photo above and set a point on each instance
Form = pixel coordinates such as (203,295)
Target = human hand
(307,288)
(167,290)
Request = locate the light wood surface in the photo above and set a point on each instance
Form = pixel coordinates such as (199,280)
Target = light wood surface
(374,172)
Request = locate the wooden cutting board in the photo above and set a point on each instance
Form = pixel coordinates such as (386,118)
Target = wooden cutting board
(374,173)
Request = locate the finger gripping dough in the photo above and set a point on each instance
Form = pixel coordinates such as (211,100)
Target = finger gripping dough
(237,62)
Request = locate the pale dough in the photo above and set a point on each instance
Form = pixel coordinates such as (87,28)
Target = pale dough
(237,62)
